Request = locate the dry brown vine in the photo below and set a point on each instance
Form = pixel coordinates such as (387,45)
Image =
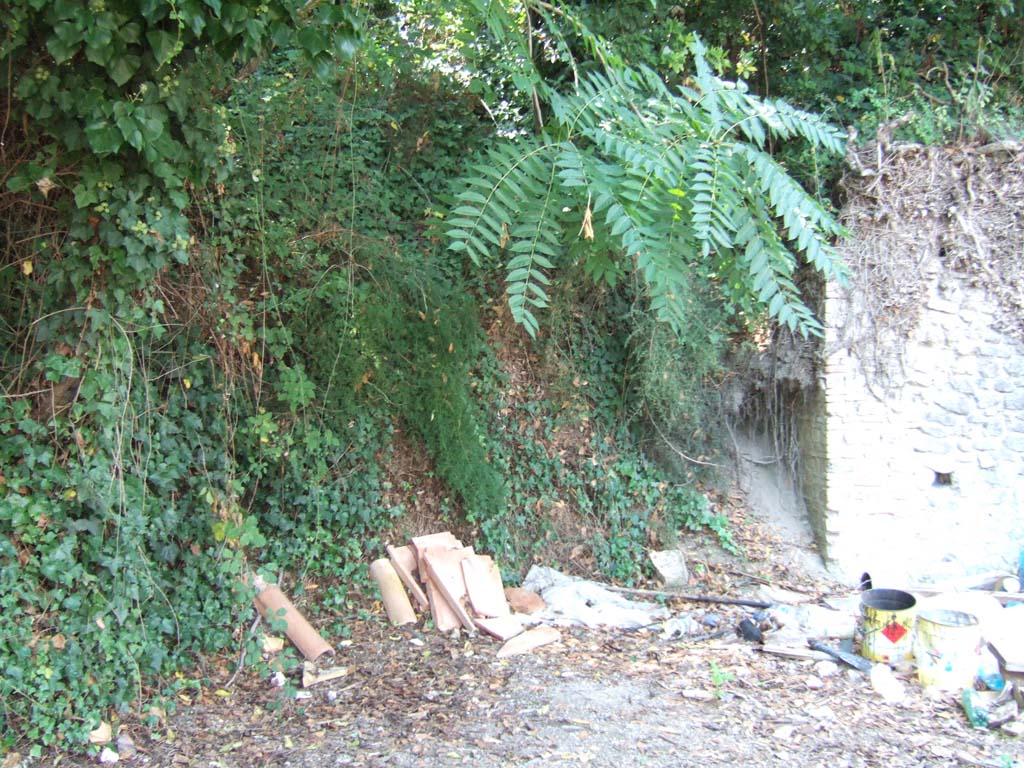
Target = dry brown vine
(907,203)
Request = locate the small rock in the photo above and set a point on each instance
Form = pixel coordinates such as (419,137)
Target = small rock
(783,732)
(1013,728)
(279,679)
(332,696)
(671,567)
(711,620)
(109,756)
(826,669)
(125,746)
(823,712)
(814,683)
(524,600)
(299,695)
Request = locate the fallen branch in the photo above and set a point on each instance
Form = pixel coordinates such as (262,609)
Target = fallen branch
(709,635)
(689,598)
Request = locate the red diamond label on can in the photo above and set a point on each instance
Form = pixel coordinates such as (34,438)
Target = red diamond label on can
(894,632)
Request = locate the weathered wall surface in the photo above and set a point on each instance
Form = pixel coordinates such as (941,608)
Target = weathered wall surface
(920,476)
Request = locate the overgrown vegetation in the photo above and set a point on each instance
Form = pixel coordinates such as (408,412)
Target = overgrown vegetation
(955,68)
(225,287)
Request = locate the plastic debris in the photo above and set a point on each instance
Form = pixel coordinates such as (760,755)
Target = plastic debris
(885,684)
(573,601)
(987,709)
(748,630)
(679,626)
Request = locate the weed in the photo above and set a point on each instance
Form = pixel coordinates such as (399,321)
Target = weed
(720,678)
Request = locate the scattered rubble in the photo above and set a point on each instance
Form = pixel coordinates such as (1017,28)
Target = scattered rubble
(572,601)
(464,590)
(408,696)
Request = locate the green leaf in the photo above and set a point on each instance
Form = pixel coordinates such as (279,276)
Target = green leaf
(671,174)
(104,138)
(65,41)
(123,68)
(312,40)
(163,44)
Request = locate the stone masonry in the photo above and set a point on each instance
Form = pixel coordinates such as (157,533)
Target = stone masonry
(922,478)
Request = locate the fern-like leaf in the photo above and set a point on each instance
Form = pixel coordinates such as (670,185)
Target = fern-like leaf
(675,179)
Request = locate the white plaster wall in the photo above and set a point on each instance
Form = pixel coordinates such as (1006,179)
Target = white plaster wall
(957,408)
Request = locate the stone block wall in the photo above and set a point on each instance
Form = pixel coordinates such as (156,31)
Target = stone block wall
(923,478)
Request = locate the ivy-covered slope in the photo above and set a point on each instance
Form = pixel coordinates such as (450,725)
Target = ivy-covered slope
(235,409)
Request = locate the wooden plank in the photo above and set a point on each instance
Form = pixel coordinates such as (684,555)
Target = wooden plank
(444,567)
(1009,654)
(484,586)
(404,561)
(1002,597)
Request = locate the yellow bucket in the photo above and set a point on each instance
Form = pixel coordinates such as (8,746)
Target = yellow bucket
(948,649)
(887,623)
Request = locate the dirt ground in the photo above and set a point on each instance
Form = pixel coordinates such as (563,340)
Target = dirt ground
(609,699)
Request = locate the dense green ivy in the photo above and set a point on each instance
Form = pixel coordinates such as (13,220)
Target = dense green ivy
(122,520)
(116,104)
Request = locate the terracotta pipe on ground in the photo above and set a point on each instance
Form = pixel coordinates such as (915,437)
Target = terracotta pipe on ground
(272,604)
